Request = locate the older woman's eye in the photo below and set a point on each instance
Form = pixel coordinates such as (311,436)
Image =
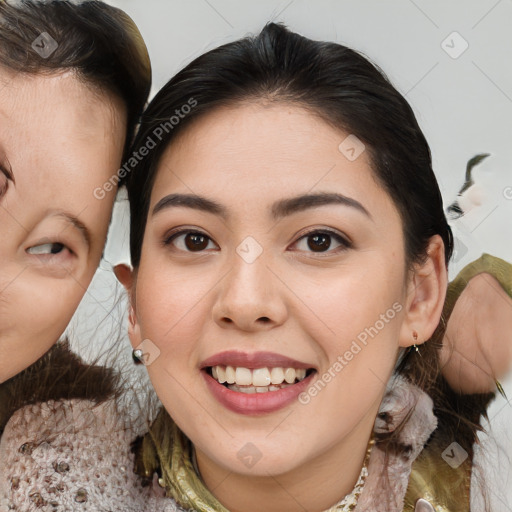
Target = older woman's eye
(47,249)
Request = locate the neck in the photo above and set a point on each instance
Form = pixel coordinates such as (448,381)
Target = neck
(315,486)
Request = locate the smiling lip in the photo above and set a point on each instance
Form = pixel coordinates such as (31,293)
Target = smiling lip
(253,361)
(257,403)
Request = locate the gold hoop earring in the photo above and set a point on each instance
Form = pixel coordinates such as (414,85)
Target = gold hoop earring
(415,338)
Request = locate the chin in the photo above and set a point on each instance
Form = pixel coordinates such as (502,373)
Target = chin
(259,465)
(257,456)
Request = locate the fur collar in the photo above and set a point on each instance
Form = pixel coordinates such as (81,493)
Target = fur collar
(58,375)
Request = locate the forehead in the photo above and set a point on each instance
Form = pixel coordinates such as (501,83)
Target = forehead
(57,115)
(261,152)
(61,138)
(59,101)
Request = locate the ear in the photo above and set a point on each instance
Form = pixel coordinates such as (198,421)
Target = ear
(125,276)
(426,292)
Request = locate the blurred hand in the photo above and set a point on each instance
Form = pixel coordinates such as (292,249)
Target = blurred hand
(477,345)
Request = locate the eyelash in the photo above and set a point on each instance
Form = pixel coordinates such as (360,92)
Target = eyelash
(5,186)
(345,243)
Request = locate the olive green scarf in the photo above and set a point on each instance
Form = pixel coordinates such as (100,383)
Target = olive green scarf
(500,269)
(168,451)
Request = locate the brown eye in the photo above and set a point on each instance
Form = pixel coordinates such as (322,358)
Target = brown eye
(319,243)
(323,241)
(188,241)
(196,241)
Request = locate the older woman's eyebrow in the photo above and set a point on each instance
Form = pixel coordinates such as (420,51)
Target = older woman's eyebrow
(281,208)
(78,224)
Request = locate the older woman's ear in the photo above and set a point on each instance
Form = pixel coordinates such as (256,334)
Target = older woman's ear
(426,293)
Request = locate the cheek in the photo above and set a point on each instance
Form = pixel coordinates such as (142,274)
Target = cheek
(33,315)
(35,306)
(350,301)
(364,313)
(171,309)
(172,316)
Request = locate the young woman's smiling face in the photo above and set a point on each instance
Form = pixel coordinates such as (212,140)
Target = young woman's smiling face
(59,140)
(266,249)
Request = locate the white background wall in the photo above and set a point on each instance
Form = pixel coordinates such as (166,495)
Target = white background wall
(463,104)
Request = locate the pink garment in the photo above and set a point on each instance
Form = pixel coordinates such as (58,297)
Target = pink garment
(73,456)
(66,456)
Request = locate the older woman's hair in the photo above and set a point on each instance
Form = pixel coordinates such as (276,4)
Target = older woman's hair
(98,42)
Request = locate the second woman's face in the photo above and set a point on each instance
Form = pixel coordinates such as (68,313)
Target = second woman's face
(272,288)
(59,141)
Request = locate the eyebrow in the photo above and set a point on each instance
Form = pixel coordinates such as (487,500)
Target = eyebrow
(280,209)
(78,224)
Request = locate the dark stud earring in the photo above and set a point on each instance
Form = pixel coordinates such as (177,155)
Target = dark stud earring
(137,356)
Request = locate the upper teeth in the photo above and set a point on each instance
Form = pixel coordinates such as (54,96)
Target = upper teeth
(258,377)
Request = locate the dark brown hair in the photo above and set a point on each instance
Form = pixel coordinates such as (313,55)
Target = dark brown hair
(331,80)
(352,94)
(99,42)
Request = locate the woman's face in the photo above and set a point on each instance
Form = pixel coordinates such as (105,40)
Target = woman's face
(271,259)
(59,140)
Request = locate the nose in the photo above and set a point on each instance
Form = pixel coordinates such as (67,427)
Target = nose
(250,297)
